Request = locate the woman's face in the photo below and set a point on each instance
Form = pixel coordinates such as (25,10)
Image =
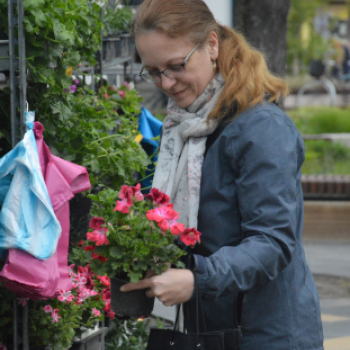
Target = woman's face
(159,51)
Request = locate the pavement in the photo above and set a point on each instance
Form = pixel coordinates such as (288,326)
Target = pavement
(332,258)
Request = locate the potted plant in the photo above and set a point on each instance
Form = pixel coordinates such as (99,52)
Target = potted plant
(130,236)
(71,316)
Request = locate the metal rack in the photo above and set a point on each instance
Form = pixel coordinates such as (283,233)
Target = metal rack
(12,64)
(18,82)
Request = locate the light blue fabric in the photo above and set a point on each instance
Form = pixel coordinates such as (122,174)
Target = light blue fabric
(27,219)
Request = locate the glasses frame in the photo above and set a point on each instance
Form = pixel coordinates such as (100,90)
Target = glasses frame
(167,74)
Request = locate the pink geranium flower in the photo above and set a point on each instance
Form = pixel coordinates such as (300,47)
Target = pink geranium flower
(158,197)
(121,93)
(105,280)
(48,309)
(22,301)
(70,269)
(190,236)
(98,236)
(137,193)
(95,223)
(65,295)
(95,312)
(165,212)
(125,194)
(55,316)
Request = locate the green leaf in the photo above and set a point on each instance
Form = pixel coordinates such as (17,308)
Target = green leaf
(73,58)
(116,251)
(33,3)
(40,18)
(62,110)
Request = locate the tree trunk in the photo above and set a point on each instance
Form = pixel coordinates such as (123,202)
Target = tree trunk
(264,25)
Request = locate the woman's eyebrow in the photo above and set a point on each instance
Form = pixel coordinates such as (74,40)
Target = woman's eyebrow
(169,63)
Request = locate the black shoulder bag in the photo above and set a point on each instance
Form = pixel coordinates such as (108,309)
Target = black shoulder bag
(171,339)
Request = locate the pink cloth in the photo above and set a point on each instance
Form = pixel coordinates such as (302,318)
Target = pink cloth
(26,275)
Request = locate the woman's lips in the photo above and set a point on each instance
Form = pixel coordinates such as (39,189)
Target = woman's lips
(178,94)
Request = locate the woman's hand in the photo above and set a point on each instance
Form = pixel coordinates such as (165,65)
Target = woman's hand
(172,287)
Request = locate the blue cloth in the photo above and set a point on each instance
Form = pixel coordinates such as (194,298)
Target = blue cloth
(149,127)
(27,219)
(251,219)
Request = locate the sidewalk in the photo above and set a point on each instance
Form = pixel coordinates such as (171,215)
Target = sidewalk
(332,258)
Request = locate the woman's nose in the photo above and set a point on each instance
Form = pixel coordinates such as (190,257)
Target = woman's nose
(167,83)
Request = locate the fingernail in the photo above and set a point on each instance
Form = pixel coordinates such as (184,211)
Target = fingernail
(122,289)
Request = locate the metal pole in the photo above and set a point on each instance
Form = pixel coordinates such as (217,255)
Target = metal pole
(13,98)
(15,324)
(25,327)
(22,66)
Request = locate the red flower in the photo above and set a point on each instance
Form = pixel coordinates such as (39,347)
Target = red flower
(158,197)
(176,228)
(98,236)
(137,193)
(89,247)
(190,236)
(111,314)
(98,257)
(95,223)
(106,95)
(125,194)
(104,280)
(162,213)
(81,243)
(164,225)
(106,295)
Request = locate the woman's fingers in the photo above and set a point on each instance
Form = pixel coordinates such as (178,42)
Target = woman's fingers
(143,284)
(173,286)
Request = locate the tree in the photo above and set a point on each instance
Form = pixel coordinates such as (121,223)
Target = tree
(264,25)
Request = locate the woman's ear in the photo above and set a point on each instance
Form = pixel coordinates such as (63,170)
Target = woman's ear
(213,45)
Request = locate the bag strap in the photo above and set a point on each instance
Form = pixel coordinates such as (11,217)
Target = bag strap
(199,309)
(239,309)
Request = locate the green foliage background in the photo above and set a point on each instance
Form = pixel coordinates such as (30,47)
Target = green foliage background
(324,157)
(95,129)
(304,11)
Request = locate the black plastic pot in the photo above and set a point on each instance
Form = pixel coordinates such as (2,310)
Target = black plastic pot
(134,304)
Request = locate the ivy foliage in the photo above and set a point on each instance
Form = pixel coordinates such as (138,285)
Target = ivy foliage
(95,130)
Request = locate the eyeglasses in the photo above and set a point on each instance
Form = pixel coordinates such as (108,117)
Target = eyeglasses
(177,71)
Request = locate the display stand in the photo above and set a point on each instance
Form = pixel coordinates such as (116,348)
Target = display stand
(17,123)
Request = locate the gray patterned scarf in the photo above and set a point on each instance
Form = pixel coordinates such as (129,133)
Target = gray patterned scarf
(179,166)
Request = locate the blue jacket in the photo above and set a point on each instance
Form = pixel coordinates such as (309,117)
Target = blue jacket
(251,219)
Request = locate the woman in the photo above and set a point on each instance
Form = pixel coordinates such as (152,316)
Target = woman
(231,161)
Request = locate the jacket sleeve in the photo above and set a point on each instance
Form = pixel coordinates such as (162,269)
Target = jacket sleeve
(265,157)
